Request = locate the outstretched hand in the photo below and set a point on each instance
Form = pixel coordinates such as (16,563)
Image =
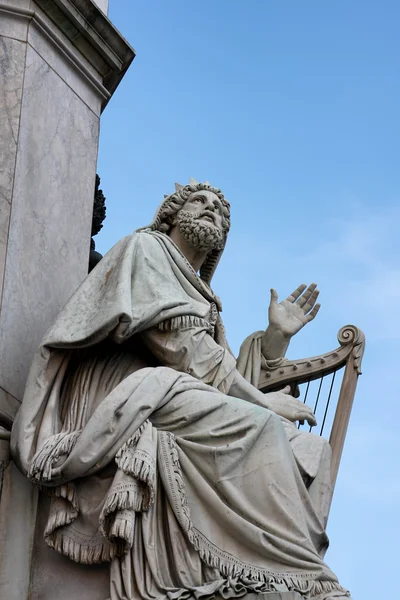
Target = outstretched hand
(290,315)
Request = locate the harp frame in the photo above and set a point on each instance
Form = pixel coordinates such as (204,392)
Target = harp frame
(295,372)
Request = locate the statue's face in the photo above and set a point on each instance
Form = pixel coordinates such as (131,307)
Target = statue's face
(206,206)
(200,221)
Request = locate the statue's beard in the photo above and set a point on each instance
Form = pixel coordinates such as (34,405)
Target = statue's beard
(202,236)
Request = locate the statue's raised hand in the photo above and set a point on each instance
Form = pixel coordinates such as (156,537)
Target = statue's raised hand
(288,317)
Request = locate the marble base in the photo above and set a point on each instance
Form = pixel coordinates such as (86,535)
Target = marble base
(60,62)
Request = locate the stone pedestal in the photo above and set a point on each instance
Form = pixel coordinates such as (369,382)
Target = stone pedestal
(60,62)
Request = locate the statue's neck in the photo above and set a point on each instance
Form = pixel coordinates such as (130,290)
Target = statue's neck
(192,255)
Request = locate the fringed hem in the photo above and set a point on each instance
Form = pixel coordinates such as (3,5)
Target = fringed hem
(229,566)
(55,446)
(133,492)
(66,491)
(117,519)
(139,465)
(59,518)
(128,499)
(122,529)
(86,554)
(185,322)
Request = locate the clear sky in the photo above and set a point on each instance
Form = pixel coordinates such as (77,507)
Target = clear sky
(292,109)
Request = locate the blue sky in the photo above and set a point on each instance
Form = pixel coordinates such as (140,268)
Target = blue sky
(292,109)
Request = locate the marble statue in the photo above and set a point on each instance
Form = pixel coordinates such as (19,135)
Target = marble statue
(158,451)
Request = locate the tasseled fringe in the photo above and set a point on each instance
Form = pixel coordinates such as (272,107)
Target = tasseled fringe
(60,518)
(295,582)
(138,465)
(125,500)
(122,529)
(117,519)
(231,568)
(85,554)
(140,469)
(66,491)
(183,322)
(54,447)
(135,466)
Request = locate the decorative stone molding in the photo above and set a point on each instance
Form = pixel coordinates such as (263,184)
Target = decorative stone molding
(106,54)
(60,63)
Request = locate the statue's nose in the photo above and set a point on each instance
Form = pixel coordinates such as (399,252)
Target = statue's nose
(209,205)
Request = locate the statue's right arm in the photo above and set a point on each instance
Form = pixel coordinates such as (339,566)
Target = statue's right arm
(280,403)
(194,351)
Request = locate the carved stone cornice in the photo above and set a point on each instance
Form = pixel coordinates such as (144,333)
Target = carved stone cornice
(105,54)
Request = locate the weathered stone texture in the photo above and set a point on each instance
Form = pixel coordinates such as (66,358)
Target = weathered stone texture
(12,59)
(49,567)
(58,68)
(18,498)
(52,204)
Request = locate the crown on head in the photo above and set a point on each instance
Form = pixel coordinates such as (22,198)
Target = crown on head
(192,181)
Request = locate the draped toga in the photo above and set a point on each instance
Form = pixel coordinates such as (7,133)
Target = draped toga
(127,422)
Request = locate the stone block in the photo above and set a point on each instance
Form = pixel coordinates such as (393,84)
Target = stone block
(8,408)
(63,64)
(51,216)
(12,64)
(18,499)
(13,25)
(50,567)
(59,64)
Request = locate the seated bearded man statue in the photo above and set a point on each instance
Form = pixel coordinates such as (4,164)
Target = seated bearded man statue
(159,455)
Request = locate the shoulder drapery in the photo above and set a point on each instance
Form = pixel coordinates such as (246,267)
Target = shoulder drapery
(195,472)
(142,281)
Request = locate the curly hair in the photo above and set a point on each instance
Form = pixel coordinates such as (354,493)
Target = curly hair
(173,204)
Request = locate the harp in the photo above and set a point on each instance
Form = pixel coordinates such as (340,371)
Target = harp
(327,383)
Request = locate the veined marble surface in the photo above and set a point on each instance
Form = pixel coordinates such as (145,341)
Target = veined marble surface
(51,91)
(12,59)
(63,65)
(51,216)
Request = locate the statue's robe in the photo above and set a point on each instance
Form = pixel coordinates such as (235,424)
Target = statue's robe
(187,491)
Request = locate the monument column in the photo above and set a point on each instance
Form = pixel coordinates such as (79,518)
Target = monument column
(60,62)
